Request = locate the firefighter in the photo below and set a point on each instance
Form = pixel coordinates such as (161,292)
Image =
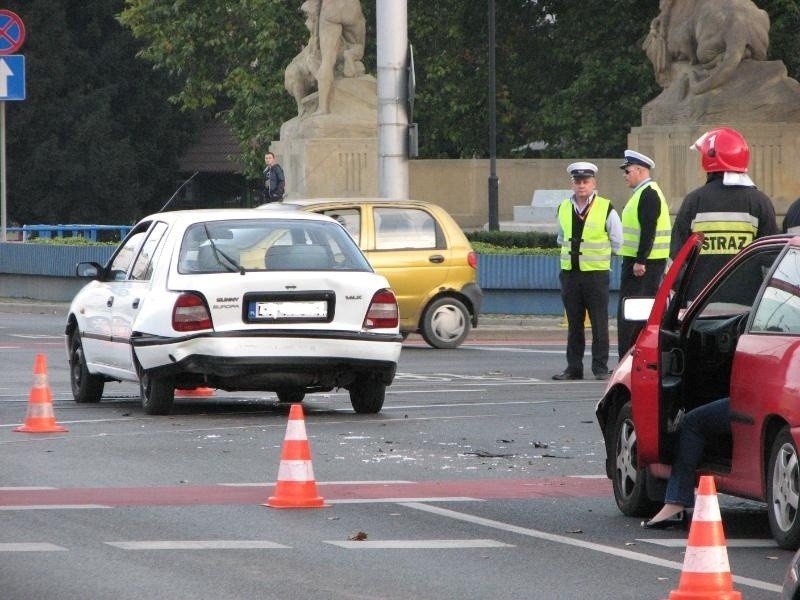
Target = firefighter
(729,210)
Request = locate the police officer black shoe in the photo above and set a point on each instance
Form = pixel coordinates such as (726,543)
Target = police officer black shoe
(602,375)
(567,376)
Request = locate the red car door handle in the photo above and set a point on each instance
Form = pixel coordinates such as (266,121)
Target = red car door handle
(436,258)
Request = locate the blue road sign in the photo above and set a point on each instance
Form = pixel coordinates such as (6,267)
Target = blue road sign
(12,77)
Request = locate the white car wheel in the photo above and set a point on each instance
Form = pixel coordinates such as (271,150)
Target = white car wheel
(86,388)
(158,394)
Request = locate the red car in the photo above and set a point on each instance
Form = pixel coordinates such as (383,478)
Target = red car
(740,338)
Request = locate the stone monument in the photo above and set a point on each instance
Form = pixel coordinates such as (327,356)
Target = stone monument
(330,148)
(709,56)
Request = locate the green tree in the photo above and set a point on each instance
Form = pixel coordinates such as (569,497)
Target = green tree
(784,40)
(94,141)
(598,75)
(571,73)
(230,56)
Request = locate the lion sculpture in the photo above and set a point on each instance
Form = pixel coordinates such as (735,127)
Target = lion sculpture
(706,40)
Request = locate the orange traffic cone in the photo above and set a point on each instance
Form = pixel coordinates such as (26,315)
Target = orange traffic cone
(706,574)
(200,392)
(40,417)
(296,487)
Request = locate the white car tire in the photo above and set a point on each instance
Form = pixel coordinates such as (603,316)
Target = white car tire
(367,395)
(158,394)
(86,388)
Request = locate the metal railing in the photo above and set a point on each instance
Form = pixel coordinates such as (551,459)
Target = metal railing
(90,232)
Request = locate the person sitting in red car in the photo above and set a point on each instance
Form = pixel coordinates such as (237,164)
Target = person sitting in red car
(699,424)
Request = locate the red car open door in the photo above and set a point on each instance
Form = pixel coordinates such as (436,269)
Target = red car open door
(652,360)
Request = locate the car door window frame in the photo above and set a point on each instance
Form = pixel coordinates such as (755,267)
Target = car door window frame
(401,228)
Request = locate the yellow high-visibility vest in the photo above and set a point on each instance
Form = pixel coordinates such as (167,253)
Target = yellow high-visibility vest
(631,229)
(594,252)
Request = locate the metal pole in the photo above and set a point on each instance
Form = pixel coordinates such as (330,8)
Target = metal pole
(392,38)
(494,220)
(3,222)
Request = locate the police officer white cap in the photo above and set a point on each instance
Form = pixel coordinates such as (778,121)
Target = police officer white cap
(582,170)
(632,157)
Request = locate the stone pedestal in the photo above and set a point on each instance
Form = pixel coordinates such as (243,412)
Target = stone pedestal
(336,154)
(774,156)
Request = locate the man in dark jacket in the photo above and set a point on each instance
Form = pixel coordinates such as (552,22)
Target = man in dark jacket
(729,209)
(274,180)
(645,241)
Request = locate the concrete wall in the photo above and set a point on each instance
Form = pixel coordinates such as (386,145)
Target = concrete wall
(462,186)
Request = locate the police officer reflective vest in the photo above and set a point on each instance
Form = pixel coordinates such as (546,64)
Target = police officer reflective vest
(631,229)
(594,249)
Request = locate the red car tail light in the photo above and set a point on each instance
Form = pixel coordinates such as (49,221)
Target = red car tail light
(472,259)
(190,313)
(383,311)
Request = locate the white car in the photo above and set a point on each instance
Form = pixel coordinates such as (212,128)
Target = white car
(238,300)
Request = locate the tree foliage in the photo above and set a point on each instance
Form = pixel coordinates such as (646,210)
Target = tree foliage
(570,73)
(96,135)
(94,140)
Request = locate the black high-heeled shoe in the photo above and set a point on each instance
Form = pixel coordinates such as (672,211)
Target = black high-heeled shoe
(679,520)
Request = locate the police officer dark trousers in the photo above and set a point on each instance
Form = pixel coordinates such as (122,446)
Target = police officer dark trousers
(589,229)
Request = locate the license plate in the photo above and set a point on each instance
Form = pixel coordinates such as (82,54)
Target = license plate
(296,309)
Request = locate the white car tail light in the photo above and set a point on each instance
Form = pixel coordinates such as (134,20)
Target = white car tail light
(190,313)
(382,311)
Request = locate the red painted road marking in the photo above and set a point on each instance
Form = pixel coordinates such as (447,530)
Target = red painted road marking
(484,489)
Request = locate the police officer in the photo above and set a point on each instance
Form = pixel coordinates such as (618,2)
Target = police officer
(728,209)
(646,231)
(589,230)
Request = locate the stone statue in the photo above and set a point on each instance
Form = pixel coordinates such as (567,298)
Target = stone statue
(710,58)
(712,37)
(337,33)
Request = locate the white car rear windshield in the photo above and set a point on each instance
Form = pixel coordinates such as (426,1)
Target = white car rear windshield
(268,245)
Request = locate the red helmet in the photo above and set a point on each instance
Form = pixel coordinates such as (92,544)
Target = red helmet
(723,149)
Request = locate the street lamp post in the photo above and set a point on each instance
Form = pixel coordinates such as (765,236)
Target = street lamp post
(494,221)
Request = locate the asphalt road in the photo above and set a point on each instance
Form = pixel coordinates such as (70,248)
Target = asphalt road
(481,478)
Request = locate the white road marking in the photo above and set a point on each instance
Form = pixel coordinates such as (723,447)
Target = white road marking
(579,543)
(730,543)
(403,500)
(36,336)
(60,422)
(417,544)
(25,488)
(507,349)
(30,547)
(198,545)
